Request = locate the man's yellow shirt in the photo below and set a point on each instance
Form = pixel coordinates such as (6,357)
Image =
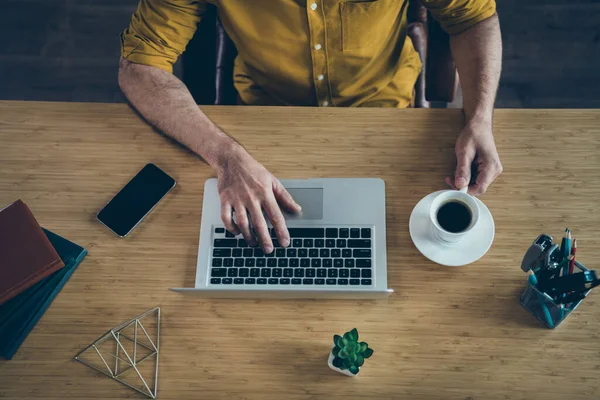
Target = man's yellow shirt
(306,53)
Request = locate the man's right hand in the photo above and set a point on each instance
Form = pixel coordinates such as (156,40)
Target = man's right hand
(247,188)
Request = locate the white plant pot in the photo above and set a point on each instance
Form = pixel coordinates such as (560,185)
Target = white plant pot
(341,371)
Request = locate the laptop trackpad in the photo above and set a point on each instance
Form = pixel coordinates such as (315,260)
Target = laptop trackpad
(311,200)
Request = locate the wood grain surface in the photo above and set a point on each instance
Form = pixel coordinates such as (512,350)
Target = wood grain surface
(446,333)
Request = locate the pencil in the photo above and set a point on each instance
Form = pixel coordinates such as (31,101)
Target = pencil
(572,261)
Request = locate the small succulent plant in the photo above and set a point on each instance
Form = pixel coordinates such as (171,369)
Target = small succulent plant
(350,354)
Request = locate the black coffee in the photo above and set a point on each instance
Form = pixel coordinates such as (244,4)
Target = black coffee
(454,216)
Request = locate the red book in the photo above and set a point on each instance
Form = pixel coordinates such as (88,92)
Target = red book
(26,254)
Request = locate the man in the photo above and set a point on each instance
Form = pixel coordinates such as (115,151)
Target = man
(313,53)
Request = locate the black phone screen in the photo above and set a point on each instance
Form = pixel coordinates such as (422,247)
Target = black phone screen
(136,200)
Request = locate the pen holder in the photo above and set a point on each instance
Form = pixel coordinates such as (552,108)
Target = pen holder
(543,307)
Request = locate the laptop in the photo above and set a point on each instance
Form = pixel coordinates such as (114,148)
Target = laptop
(337,250)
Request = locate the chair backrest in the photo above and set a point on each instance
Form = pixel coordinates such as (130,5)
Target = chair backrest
(440,71)
(438,79)
(207,64)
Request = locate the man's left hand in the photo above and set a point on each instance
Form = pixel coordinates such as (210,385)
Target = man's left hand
(475,153)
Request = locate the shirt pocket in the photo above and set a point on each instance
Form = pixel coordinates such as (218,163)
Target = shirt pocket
(366,23)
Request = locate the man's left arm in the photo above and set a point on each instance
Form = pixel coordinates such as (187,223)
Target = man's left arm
(477,53)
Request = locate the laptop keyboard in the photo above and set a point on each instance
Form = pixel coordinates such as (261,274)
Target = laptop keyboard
(316,257)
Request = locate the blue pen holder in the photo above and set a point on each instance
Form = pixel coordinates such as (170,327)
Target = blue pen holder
(543,307)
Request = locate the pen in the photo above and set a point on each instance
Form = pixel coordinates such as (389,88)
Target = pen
(566,250)
(573,252)
(563,242)
(533,281)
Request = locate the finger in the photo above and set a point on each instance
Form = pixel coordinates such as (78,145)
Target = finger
(227,219)
(276,217)
(464,160)
(284,198)
(485,176)
(260,228)
(242,221)
(450,182)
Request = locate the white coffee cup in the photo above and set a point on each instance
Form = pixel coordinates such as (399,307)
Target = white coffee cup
(439,233)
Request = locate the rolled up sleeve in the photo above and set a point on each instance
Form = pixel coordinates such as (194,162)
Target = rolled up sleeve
(456,16)
(160,31)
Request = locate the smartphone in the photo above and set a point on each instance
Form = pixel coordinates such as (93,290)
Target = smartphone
(129,207)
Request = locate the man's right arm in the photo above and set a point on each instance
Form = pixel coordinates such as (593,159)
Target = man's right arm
(167,104)
(244,184)
(158,34)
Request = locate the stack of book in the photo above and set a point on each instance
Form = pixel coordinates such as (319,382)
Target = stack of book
(34,266)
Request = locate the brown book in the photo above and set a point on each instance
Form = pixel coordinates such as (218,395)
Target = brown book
(26,254)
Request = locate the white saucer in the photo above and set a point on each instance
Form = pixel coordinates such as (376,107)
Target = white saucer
(470,248)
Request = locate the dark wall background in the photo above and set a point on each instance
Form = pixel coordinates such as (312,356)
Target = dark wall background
(67,50)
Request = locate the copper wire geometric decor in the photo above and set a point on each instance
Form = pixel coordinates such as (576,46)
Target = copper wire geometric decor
(128,352)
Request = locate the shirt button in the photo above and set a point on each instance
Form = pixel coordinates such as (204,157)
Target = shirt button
(320,77)
(313,6)
(318,46)
(325,103)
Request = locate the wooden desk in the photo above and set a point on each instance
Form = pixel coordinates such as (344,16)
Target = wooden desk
(447,333)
